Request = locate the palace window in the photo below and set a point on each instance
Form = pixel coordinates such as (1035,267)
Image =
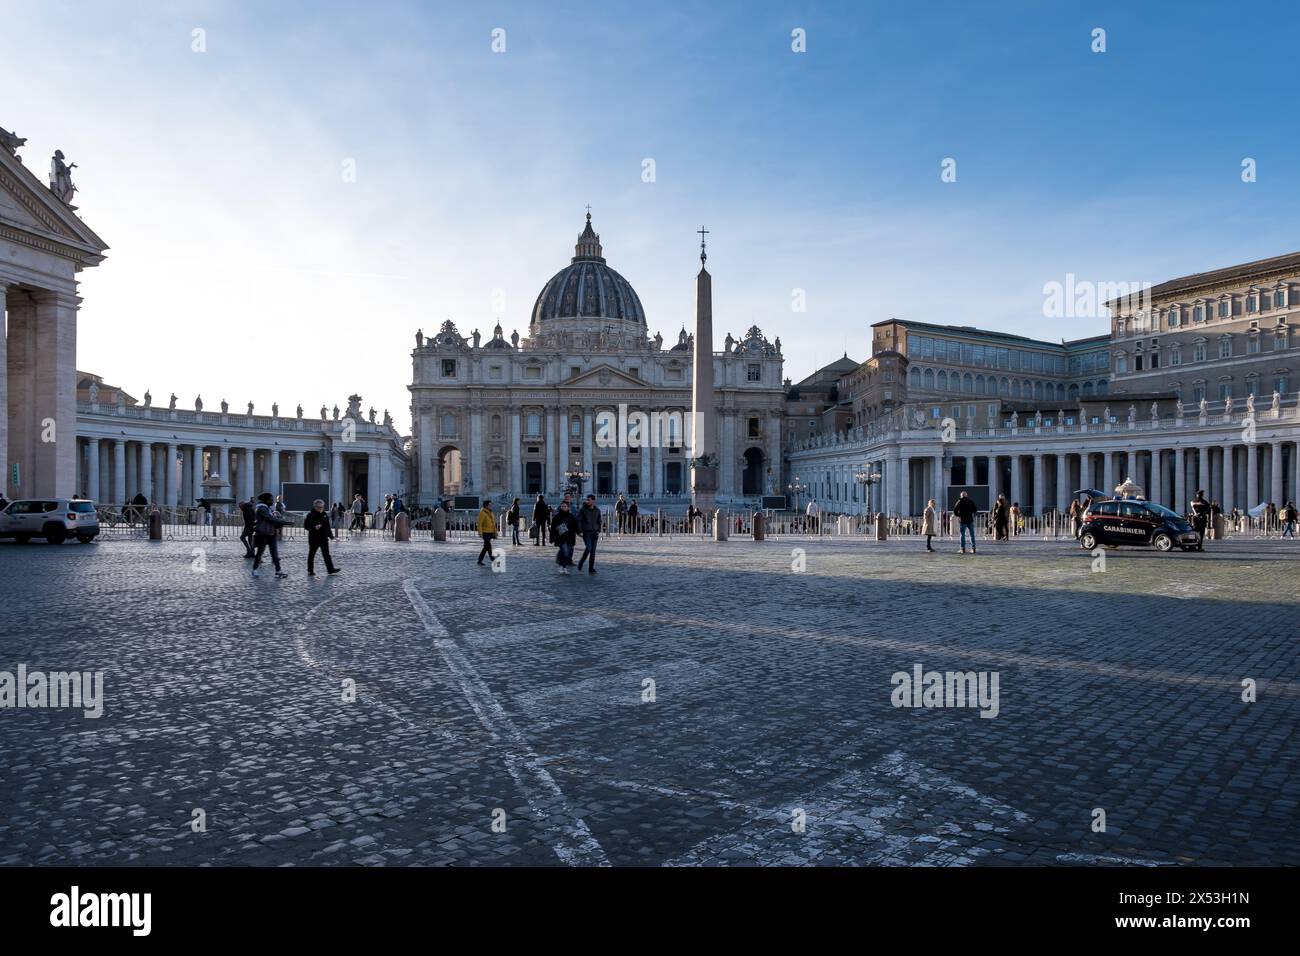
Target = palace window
(1198,392)
(1225,308)
(1282,298)
(1252,302)
(1199,352)
(449,424)
(495,372)
(448,368)
(1252,344)
(534,425)
(1198,313)
(1280,384)
(1173,317)
(1280,338)
(753,427)
(1225,347)
(532,371)
(575,371)
(575,427)
(1225,391)
(754,373)
(1252,385)
(1176,355)
(1265,301)
(1121,363)
(496,426)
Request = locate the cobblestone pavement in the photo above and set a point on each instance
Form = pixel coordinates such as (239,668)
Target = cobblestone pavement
(521,697)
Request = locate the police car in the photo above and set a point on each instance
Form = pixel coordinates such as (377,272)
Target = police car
(1126,521)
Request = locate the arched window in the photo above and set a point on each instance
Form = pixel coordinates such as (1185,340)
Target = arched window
(1038,391)
(1060,393)
(1087,389)
(1102,387)
(1004,388)
(979,384)
(575,427)
(1073,392)
(929,380)
(534,425)
(967,383)
(943,381)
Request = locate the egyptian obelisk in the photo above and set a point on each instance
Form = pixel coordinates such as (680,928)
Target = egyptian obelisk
(704,477)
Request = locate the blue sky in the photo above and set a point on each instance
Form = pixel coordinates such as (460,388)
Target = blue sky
(216,177)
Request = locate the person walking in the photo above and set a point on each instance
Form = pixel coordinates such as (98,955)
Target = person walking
(319,534)
(1076,517)
(631,516)
(813,513)
(358,513)
(512,519)
(928,524)
(487,527)
(1289,515)
(541,520)
(1001,519)
(246,508)
(620,509)
(564,534)
(965,510)
(267,523)
(1016,518)
(1200,517)
(589,526)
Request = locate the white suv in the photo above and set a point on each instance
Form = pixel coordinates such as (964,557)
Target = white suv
(54,519)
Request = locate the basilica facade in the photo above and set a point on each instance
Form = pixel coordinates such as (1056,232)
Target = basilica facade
(519,416)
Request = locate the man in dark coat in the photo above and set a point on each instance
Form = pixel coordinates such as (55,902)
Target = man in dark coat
(589,525)
(541,519)
(319,534)
(1200,518)
(564,533)
(965,511)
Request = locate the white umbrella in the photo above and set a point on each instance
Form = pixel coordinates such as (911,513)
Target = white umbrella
(1258,510)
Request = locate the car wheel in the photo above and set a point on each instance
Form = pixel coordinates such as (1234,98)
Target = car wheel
(56,534)
(22,538)
(1163,542)
(1087,541)
(85,538)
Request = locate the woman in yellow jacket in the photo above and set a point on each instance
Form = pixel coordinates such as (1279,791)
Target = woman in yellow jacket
(487,527)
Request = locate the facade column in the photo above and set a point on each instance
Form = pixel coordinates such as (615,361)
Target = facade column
(336,478)
(937,474)
(374,492)
(1108,472)
(1062,483)
(92,470)
(223,466)
(146,471)
(299,464)
(728,456)
(1229,480)
(119,471)
(904,484)
(132,472)
(1276,492)
(198,473)
(588,447)
(620,470)
(516,455)
(1252,475)
(5,488)
(1203,469)
(478,480)
(1016,493)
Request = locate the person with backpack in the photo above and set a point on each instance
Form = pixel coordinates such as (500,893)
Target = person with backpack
(1200,518)
(319,534)
(965,511)
(1289,515)
(512,519)
(267,523)
(246,509)
(487,527)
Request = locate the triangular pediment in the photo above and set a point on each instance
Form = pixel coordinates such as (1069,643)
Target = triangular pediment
(606,376)
(30,212)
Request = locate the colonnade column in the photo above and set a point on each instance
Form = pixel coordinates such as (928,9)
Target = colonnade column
(1203,469)
(478,480)
(937,482)
(1252,475)
(336,478)
(1015,478)
(273,470)
(1180,481)
(1040,499)
(1108,472)
(299,464)
(620,474)
(146,471)
(1062,483)
(552,479)
(92,470)
(119,471)
(1277,494)
(170,477)
(1229,479)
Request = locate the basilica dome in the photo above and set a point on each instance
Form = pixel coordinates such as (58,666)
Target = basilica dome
(588,289)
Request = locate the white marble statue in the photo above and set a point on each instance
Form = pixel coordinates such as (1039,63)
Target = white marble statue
(324,413)
(225,407)
(1250,404)
(94,394)
(275,409)
(171,403)
(198,403)
(1277,403)
(250,409)
(148,399)
(61,177)
(300,411)
(1155,411)
(419,338)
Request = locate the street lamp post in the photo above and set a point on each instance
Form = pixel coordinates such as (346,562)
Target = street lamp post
(577,476)
(796,488)
(867,478)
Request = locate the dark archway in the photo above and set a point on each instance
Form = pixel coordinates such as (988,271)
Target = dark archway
(751,482)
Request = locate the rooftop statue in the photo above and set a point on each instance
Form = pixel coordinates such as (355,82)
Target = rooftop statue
(61,177)
(10,141)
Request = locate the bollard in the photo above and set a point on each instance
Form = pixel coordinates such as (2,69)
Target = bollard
(402,527)
(155,525)
(440,525)
(719,526)
(1220,527)
(760,526)
(659,521)
(882,528)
